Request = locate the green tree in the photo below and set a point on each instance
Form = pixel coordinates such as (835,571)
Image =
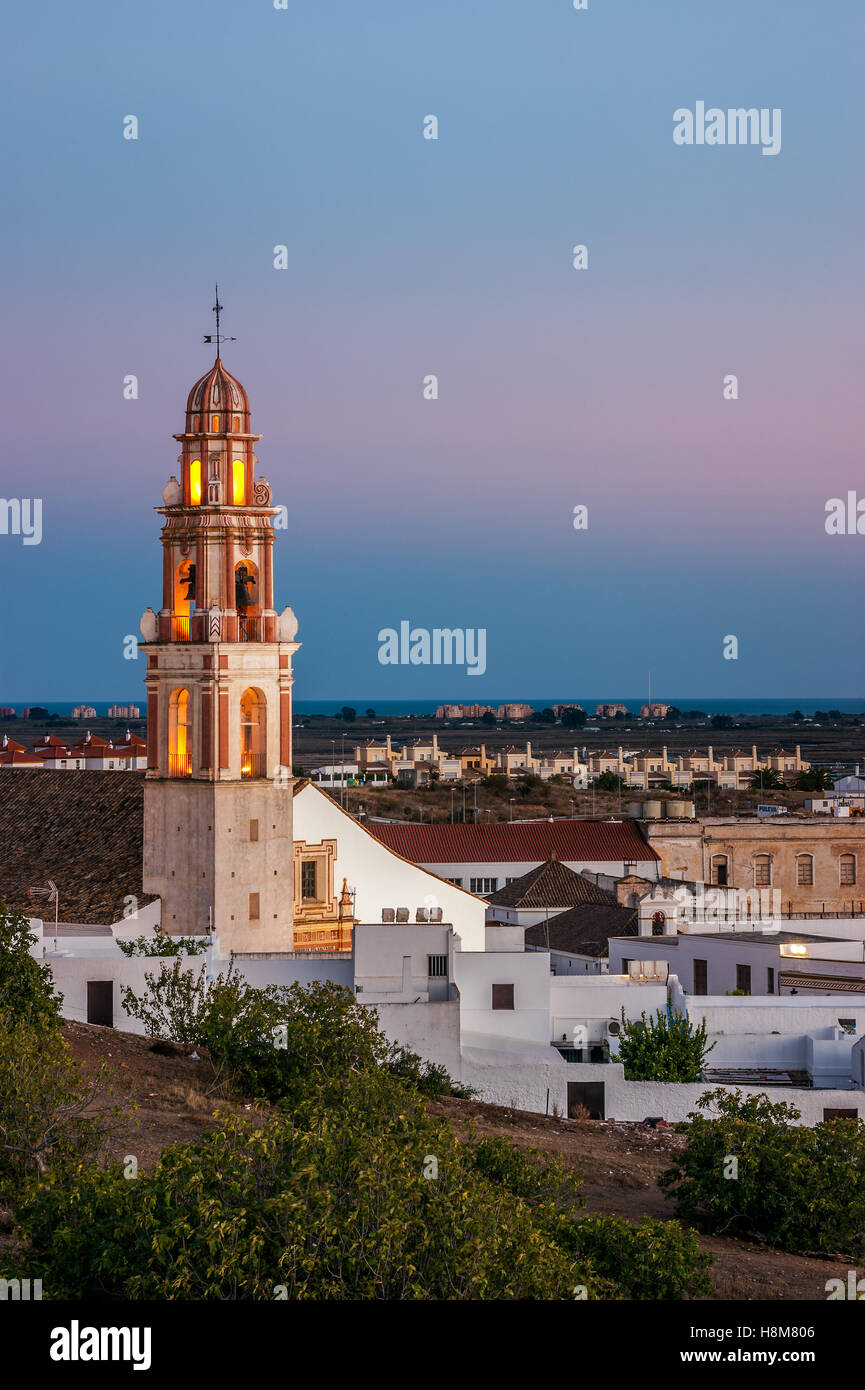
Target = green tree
(769,779)
(573,718)
(26,987)
(814,779)
(348,714)
(723,721)
(751,1171)
(47,1115)
(488,718)
(666,1047)
(608,782)
(161,943)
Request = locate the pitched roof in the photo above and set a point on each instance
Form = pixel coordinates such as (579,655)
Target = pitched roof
(584,929)
(517,842)
(84,830)
(551,884)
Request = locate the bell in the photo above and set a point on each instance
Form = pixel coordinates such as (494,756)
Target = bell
(189,580)
(242,581)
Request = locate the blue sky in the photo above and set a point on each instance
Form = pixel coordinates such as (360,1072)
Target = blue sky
(407,257)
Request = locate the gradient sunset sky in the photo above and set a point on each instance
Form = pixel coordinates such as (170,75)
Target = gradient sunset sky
(408,257)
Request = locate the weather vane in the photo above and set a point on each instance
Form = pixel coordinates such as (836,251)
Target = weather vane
(218,337)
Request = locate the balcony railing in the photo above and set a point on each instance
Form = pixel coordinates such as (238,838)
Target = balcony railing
(180,764)
(248,629)
(253,765)
(180,629)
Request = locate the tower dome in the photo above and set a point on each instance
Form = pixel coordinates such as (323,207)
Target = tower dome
(217,404)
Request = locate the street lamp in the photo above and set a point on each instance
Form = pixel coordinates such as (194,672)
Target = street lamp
(511,800)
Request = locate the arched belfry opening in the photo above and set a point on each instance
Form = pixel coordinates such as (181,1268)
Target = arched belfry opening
(253,734)
(180,734)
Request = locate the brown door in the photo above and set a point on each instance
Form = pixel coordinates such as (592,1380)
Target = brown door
(589,1094)
(100,1002)
(743,978)
(701,977)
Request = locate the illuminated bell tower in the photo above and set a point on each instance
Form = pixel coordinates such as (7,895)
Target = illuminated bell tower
(218,788)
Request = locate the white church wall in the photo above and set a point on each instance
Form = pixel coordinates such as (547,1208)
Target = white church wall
(382,879)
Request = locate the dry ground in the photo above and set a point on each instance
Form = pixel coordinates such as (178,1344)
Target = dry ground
(170,1097)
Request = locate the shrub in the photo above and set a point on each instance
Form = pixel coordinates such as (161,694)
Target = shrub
(664,1048)
(162,943)
(790,1186)
(326,1204)
(43,1103)
(652,1260)
(26,987)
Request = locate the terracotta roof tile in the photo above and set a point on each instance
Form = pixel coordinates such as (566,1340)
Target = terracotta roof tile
(526,842)
(554,885)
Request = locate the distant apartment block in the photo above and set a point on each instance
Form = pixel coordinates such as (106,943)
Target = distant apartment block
(84,712)
(478,711)
(656,710)
(609,711)
(124,712)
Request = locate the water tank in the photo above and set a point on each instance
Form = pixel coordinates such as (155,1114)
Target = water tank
(690,810)
(635,809)
(675,810)
(652,810)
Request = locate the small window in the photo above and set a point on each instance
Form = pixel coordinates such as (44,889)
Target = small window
(253,907)
(237,424)
(848,868)
(503,996)
(762,871)
(437,967)
(701,977)
(215,424)
(719,870)
(195,424)
(458,883)
(253,830)
(770,979)
(307,879)
(743,978)
(804,871)
(484,885)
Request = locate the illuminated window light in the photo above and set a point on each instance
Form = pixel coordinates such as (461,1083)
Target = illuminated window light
(239,482)
(216,424)
(195,482)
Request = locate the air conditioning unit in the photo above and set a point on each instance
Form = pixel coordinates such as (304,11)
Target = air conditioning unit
(614,1027)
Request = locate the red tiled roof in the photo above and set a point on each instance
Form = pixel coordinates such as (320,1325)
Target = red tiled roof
(520,842)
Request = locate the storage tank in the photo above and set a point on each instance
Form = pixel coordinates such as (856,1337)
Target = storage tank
(690,810)
(675,810)
(652,810)
(635,809)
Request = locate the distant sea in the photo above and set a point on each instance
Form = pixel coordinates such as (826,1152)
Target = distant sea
(392,708)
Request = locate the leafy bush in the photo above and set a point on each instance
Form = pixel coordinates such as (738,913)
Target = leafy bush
(26,987)
(652,1260)
(791,1186)
(162,943)
(43,1103)
(326,1204)
(664,1048)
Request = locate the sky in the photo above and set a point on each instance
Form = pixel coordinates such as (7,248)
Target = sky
(407,256)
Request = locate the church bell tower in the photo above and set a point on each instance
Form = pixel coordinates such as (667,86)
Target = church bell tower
(218,788)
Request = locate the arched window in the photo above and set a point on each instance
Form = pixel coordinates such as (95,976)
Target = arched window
(237,424)
(847,866)
(253,734)
(762,870)
(719,870)
(195,482)
(804,870)
(215,423)
(659,923)
(179,735)
(239,475)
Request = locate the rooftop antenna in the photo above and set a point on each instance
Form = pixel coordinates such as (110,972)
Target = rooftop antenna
(218,337)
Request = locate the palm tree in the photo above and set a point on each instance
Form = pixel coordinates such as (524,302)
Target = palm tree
(767,780)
